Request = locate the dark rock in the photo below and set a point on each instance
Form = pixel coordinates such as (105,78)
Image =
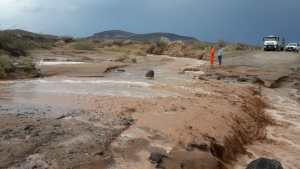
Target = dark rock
(150,74)
(217,150)
(264,163)
(101,153)
(120,70)
(242,79)
(157,158)
(61,117)
(200,147)
(127,121)
(28,128)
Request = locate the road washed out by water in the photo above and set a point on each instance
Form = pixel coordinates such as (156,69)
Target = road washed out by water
(107,115)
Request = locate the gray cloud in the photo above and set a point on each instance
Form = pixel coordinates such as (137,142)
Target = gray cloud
(232,20)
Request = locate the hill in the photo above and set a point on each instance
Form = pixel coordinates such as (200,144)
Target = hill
(123,35)
(111,35)
(30,35)
(16,42)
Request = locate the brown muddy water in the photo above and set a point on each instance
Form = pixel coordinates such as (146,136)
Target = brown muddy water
(59,93)
(69,121)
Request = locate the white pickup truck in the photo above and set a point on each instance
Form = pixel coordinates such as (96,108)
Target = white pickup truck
(294,47)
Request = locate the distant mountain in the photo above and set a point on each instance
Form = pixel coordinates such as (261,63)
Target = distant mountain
(113,34)
(123,35)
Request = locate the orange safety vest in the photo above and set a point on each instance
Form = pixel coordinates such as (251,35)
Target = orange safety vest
(212,55)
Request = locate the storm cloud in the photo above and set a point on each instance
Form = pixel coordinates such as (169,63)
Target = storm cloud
(209,20)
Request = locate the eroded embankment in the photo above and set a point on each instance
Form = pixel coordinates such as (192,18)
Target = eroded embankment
(205,130)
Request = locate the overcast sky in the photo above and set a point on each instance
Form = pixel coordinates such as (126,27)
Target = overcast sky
(209,20)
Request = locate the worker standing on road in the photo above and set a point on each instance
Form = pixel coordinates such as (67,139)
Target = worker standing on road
(212,55)
(220,55)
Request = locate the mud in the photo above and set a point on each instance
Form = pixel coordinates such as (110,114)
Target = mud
(191,116)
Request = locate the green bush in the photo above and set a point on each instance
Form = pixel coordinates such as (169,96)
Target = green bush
(160,46)
(2,72)
(26,64)
(15,45)
(6,66)
(163,42)
(83,45)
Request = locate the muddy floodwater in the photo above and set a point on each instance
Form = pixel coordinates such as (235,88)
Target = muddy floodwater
(91,114)
(60,93)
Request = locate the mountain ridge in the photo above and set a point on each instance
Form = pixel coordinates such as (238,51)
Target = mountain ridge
(124,35)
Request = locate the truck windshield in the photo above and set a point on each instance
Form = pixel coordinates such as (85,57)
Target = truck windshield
(292,44)
(270,38)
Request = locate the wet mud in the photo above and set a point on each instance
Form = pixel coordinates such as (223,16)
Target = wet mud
(189,116)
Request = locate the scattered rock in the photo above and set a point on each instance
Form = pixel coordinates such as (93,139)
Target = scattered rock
(157,158)
(121,70)
(150,74)
(101,153)
(61,117)
(191,69)
(264,163)
(127,121)
(28,128)
(114,67)
(200,147)
(242,79)
(217,150)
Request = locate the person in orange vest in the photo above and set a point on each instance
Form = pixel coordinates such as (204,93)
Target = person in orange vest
(212,55)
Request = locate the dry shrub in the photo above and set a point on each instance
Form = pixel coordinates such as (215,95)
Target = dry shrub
(123,58)
(83,45)
(178,49)
(159,47)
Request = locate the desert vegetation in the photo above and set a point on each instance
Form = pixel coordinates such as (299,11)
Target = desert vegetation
(21,67)
(125,48)
(15,47)
(179,48)
(83,45)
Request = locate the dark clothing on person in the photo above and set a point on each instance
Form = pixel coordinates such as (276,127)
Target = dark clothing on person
(220,56)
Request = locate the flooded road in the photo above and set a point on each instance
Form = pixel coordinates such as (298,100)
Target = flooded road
(282,140)
(69,119)
(91,115)
(60,93)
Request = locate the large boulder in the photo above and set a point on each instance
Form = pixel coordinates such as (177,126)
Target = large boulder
(264,163)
